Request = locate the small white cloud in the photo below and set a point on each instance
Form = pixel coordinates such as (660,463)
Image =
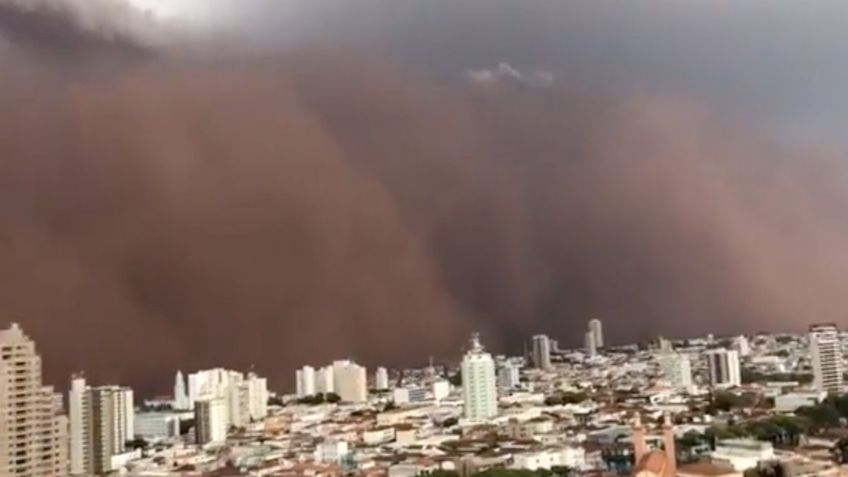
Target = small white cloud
(506,72)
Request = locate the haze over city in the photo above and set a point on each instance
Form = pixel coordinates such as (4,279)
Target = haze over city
(269,183)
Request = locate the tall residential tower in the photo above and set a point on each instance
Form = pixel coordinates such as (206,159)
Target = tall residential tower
(33,437)
(826,354)
(479,389)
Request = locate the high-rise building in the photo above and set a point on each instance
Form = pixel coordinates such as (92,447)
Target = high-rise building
(305,377)
(102,421)
(826,354)
(257,396)
(541,352)
(676,368)
(350,381)
(508,375)
(325,380)
(381,379)
(478,383)
(245,397)
(597,330)
(723,367)
(210,421)
(181,399)
(441,389)
(740,344)
(590,347)
(33,435)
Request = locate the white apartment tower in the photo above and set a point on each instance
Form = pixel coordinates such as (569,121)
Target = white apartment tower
(723,367)
(826,354)
(590,347)
(677,369)
(508,376)
(478,383)
(305,378)
(210,420)
(541,352)
(102,421)
(33,436)
(597,330)
(350,381)
(245,397)
(181,399)
(324,380)
(381,379)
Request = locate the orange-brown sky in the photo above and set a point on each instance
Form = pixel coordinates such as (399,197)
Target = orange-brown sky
(162,207)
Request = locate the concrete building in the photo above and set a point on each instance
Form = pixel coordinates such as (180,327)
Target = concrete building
(381,379)
(181,399)
(742,454)
(211,382)
(791,402)
(541,352)
(509,376)
(154,426)
(33,435)
(324,380)
(479,392)
(210,420)
(350,381)
(441,389)
(102,420)
(740,344)
(305,379)
(590,347)
(677,369)
(826,354)
(596,328)
(723,368)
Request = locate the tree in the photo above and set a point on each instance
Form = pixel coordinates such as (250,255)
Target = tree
(138,443)
(332,398)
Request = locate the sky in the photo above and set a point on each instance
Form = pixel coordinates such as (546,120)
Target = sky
(274,183)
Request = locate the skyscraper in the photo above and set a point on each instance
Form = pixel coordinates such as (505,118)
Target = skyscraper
(723,367)
(826,354)
(210,420)
(381,379)
(350,381)
(590,348)
(102,421)
(245,397)
(324,380)
(676,368)
(305,377)
(478,383)
(33,436)
(597,330)
(508,375)
(181,400)
(541,352)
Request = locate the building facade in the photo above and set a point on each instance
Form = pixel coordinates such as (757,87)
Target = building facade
(479,391)
(597,330)
(677,369)
(826,356)
(210,420)
(33,436)
(541,352)
(723,368)
(102,420)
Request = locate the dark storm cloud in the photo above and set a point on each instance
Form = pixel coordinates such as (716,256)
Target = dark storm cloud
(332,202)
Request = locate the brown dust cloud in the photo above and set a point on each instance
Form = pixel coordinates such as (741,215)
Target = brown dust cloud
(165,208)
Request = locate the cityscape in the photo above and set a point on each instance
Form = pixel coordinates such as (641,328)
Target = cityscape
(423,238)
(767,404)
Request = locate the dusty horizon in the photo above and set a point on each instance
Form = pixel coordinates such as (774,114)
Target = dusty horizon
(164,205)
